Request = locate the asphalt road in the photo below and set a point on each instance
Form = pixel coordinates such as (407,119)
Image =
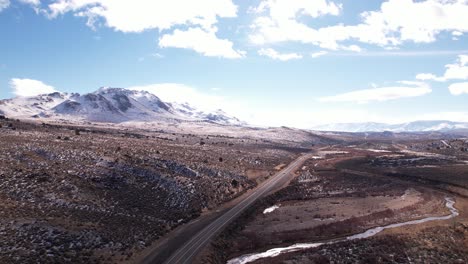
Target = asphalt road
(187,252)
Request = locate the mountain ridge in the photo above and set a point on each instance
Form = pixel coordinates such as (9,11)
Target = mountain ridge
(111,105)
(414,126)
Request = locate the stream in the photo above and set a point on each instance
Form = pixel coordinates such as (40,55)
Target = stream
(369,233)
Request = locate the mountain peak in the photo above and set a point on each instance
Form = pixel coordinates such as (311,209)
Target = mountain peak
(109,104)
(108,89)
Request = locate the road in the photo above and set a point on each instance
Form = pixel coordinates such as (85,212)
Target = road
(187,252)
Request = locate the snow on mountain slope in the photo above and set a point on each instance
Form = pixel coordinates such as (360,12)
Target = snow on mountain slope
(26,107)
(115,105)
(218,116)
(416,126)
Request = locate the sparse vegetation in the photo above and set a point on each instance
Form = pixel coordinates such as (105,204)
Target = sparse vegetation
(105,195)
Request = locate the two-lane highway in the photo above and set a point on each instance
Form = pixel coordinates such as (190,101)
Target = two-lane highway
(187,252)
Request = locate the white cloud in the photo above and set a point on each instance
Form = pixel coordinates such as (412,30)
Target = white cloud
(140,15)
(432,17)
(390,26)
(455,71)
(459,88)
(429,77)
(279,56)
(456,35)
(201,41)
(28,87)
(31,2)
(458,70)
(318,54)
(411,89)
(286,9)
(354,48)
(4,4)
(278,21)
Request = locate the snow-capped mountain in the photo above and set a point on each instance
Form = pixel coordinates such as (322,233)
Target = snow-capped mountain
(107,104)
(416,126)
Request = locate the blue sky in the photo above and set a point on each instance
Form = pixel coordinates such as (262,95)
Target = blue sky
(272,62)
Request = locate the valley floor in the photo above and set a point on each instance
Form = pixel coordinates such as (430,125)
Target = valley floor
(345,192)
(118,194)
(93,194)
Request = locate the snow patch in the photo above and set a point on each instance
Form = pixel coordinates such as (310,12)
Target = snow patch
(378,150)
(270,209)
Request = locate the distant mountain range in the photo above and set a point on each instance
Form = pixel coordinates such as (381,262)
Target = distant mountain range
(113,105)
(417,126)
(118,105)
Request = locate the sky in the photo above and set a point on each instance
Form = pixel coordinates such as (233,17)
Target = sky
(295,63)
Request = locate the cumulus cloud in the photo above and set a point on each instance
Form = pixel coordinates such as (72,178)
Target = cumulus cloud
(459,88)
(28,87)
(456,35)
(279,56)
(454,71)
(458,70)
(410,89)
(428,77)
(202,41)
(318,54)
(285,9)
(4,4)
(390,26)
(278,21)
(141,15)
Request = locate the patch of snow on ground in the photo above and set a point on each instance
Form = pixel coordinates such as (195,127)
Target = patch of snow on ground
(379,150)
(324,219)
(270,209)
(331,152)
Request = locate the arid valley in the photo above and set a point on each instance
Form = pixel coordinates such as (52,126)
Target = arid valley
(233,132)
(103,194)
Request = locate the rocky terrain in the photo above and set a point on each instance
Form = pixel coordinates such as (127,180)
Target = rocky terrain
(90,194)
(107,193)
(346,191)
